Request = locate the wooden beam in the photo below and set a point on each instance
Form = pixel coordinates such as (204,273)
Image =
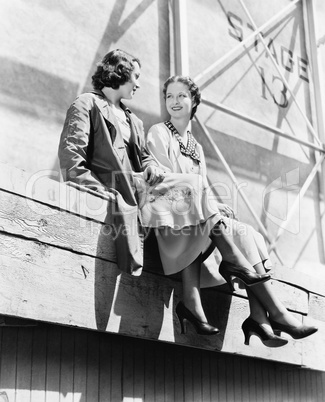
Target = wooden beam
(39,187)
(299,279)
(46,283)
(34,220)
(57,266)
(38,220)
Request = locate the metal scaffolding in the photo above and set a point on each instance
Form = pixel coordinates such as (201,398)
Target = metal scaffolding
(204,78)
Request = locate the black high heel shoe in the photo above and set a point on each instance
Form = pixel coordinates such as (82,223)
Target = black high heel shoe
(202,328)
(268,338)
(227,270)
(302,331)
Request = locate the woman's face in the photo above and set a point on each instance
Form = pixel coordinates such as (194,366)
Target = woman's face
(179,100)
(129,88)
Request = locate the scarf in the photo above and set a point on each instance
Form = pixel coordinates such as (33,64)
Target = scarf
(190,149)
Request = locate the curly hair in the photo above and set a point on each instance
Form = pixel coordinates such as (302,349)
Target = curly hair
(192,87)
(114,70)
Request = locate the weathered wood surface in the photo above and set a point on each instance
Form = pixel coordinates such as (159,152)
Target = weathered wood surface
(58,265)
(54,363)
(34,220)
(46,283)
(38,187)
(299,279)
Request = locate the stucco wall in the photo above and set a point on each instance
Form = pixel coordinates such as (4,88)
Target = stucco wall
(48,53)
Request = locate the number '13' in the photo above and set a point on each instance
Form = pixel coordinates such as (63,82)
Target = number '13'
(281,97)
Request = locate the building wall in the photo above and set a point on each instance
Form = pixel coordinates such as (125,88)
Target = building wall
(49,52)
(53,363)
(270,170)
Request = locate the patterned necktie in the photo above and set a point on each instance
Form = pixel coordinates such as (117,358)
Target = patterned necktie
(190,149)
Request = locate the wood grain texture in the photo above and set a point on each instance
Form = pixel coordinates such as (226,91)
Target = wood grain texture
(299,279)
(58,266)
(295,299)
(53,366)
(34,220)
(8,366)
(38,374)
(75,233)
(138,369)
(314,347)
(317,307)
(24,364)
(55,288)
(38,187)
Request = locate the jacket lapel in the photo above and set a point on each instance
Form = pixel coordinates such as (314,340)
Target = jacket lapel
(113,128)
(134,142)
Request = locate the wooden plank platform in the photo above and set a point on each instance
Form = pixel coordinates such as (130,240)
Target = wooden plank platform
(58,265)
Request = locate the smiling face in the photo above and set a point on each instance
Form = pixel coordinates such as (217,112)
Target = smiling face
(129,88)
(179,102)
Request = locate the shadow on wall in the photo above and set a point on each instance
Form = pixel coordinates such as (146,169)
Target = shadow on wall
(3,397)
(27,90)
(121,300)
(116,28)
(34,98)
(32,91)
(144,306)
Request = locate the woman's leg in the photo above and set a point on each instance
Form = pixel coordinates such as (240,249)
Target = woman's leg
(257,310)
(257,323)
(266,296)
(228,249)
(191,289)
(234,263)
(261,296)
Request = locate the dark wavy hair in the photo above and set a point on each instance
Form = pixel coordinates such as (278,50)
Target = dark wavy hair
(192,87)
(114,70)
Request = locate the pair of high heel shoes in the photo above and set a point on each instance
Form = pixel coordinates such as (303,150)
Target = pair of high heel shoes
(273,339)
(227,270)
(249,327)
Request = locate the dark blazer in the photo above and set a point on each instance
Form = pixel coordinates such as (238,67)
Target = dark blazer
(92,151)
(92,154)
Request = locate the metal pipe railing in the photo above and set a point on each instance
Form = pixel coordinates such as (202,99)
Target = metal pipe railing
(301,194)
(274,130)
(249,38)
(234,180)
(311,128)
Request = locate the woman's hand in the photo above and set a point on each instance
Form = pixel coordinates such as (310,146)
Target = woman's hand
(153,175)
(226,210)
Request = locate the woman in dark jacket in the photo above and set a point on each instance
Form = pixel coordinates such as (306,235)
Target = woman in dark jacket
(102,141)
(102,146)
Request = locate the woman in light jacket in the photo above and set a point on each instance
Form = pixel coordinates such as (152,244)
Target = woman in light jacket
(183,210)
